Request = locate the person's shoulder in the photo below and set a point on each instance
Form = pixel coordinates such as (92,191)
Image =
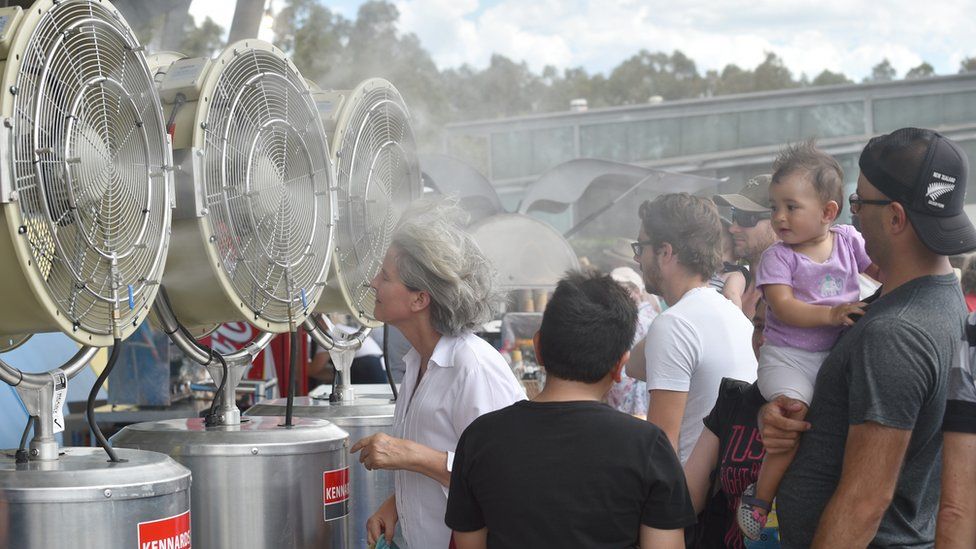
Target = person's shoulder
(674,318)
(733,389)
(721,311)
(778,250)
(889,326)
(627,426)
(497,420)
(470,351)
(845,231)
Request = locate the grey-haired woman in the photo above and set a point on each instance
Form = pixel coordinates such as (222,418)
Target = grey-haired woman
(435,286)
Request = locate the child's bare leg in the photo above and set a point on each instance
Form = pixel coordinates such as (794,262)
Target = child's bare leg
(757,499)
(774,466)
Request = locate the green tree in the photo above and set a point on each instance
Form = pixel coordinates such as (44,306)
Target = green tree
(647,74)
(560,89)
(313,36)
(734,79)
(340,53)
(202,41)
(828,78)
(772,74)
(968,64)
(882,72)
(924,70)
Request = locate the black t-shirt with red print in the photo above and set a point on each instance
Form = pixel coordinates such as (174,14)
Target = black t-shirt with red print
(733,420)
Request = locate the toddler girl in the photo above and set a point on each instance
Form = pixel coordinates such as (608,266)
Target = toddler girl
(809,281)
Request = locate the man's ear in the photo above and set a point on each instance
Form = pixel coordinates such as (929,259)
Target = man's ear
(898,218)
(535,345)
(665,250)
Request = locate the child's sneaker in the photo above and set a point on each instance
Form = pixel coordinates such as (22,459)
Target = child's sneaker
(751,513)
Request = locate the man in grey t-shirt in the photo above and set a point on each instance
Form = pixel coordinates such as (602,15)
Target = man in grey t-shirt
(867,473)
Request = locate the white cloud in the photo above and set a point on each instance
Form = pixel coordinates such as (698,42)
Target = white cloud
(841,35)
(849,36)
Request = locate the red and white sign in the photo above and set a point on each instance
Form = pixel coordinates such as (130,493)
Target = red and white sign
(335,493)
(168,533)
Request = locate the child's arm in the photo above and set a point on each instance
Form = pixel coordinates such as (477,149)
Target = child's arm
(735,286)
(873,271)
(794,312)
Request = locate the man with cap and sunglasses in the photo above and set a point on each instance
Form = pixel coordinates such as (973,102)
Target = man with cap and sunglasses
(751,229)
(868,466)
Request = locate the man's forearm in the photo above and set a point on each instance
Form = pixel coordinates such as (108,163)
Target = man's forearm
(850,520)
(873,458)
(956,524)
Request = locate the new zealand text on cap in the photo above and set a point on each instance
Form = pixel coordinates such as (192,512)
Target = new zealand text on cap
(926,173)
(752,197)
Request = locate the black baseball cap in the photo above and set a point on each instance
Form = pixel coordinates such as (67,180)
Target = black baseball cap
(926,173)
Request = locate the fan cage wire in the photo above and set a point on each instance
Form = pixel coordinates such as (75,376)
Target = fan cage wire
(89,166)
(268,185)
(378,164)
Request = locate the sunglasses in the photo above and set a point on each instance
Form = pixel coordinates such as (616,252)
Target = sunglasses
(748,219)
(857,202)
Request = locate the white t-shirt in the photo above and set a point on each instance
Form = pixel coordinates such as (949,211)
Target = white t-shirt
(690,347)
(466,377)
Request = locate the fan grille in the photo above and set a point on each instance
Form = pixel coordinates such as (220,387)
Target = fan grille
(378,175)
(89,154)
(268,185)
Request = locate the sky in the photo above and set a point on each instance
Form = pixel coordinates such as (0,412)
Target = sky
(848,36)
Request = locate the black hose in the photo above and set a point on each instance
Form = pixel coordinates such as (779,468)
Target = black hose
(386,360)
(90,411)
(21,455)
(211,418)
(292,379)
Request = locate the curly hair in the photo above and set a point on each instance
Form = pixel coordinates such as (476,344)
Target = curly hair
(691,225)
(435,254)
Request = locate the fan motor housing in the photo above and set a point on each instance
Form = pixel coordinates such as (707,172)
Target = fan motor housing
(255,203)
(85,181)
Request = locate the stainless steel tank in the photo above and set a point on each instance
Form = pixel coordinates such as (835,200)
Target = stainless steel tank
(370,412)
(258,485)
(81,501)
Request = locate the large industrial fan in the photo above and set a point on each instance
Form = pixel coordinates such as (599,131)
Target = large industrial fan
(377,175)
(252,240)
(255,200)
(85,201)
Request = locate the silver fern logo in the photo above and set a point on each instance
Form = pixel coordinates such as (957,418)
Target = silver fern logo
(937,190)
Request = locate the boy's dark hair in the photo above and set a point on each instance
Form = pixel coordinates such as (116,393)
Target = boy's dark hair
(588,326)
(823,170)
(691,225)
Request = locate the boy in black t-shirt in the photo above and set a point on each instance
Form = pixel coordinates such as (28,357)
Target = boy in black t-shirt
(566,470)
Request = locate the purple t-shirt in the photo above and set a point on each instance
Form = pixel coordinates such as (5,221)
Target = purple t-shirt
(829,283)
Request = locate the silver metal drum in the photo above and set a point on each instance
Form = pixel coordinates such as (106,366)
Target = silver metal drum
(363,416)
(258,485)
(82,501)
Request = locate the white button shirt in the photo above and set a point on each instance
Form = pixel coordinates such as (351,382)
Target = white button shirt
(465,378)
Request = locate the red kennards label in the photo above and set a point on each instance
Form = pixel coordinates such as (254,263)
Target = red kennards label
(335,493)
(168,533)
